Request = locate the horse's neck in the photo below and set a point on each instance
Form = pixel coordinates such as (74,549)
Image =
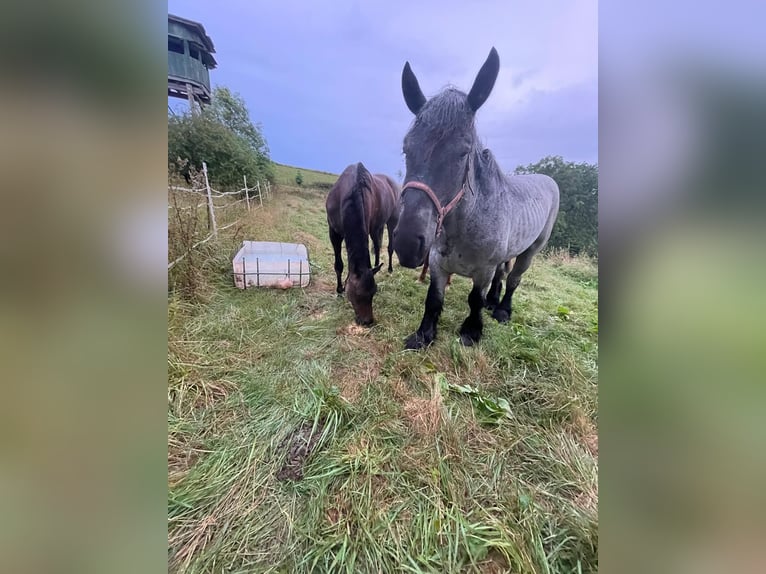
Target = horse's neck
(478,178)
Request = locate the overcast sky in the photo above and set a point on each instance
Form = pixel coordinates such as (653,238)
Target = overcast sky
(324,78)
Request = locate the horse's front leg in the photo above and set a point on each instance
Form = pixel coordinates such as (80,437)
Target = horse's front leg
(426,333)
(337,240)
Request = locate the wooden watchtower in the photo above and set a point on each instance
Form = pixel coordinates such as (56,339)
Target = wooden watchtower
(190,59)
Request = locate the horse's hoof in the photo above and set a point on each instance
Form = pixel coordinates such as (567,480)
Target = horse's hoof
(501,315)
(416,341)
(467,340)
(470,335)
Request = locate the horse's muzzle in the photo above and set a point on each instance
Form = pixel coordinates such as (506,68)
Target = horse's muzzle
(411,250)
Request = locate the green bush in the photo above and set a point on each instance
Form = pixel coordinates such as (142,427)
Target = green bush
(299,178)
(576,227)
(223,136)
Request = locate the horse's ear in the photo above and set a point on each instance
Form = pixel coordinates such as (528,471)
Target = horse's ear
(485,81)
(376,268)
(413,95)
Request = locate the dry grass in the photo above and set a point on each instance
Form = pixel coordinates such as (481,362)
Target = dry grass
(353,380)
(424,416)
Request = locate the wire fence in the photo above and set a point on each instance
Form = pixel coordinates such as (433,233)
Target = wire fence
(253,199)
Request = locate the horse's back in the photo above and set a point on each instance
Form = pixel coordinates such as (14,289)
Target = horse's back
(389,195)
(531,202)
(536,186)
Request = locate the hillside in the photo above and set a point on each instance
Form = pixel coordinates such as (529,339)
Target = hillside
(285,175)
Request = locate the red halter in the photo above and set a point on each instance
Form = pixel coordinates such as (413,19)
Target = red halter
(441,212)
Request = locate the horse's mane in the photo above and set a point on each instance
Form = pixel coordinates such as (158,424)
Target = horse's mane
(355,228)
(487,168)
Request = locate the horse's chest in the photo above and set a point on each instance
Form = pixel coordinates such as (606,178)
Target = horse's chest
(463,260)
(471,253)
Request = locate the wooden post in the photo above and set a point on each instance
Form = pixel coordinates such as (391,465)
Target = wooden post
(210,211)
(260,195)
(190,95)
(247,195)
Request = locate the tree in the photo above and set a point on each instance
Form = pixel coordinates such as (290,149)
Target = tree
(230,110)
(576,227)
(223,136)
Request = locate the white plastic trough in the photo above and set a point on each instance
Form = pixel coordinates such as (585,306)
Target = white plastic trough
(268,263)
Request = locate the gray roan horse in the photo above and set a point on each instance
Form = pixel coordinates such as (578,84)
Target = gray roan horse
(359,205)
(459,208)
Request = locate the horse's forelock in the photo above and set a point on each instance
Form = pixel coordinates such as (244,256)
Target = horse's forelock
(442,115)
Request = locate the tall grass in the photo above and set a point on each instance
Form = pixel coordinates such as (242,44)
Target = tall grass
(405,475)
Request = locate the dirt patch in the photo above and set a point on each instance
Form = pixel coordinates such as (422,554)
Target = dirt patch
(495,563)
(352,329)
(299,445)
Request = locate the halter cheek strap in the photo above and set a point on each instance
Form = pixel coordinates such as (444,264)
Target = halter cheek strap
(441,212)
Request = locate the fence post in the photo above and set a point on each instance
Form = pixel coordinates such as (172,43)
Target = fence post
(260,195)
(210,210)
(247,195)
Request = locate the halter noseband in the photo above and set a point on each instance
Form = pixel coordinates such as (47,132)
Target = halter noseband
(441,212)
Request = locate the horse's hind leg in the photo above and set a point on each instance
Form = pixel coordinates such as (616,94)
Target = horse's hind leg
(422,278)
(337,239)
(473,326)
(390,247)
(502,312)
(493,295)
(377,241)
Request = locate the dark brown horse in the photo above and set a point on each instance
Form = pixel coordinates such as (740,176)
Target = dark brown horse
(359,205)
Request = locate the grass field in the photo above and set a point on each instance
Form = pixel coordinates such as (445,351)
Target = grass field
(285,175)
(451,459)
